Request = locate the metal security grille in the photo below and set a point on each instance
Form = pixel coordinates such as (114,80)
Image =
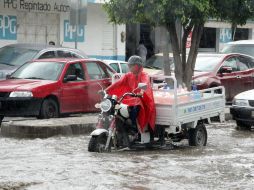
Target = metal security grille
(37,27)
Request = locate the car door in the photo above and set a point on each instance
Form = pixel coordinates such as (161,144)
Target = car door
(229,80)
(74,92)
(244,74)
(99,77)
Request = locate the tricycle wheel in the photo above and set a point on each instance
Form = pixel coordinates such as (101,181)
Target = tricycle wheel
(98,143)
(198,135)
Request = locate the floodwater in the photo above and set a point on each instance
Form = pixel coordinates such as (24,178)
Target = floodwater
(227,162)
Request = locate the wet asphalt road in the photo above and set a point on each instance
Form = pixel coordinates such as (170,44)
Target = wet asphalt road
(227,162)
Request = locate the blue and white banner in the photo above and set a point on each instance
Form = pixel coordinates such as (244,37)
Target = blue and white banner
(225,35)
(73,33)
(8,28)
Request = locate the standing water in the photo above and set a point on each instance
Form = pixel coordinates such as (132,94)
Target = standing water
(227,162)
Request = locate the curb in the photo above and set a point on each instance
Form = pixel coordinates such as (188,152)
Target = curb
(49,127)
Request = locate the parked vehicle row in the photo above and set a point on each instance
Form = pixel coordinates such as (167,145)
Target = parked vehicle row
(35,83)
(50,87)
(212,70)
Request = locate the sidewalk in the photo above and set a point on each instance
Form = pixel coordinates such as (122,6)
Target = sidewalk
(34,128)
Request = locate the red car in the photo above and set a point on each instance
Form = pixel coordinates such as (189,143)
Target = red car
(51,87)
(233,71)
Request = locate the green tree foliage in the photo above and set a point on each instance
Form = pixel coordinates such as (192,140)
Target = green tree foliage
(191,14)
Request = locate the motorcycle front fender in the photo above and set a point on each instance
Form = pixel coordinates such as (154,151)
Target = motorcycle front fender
(97,132)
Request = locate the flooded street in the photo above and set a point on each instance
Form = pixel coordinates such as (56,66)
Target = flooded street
(227,162)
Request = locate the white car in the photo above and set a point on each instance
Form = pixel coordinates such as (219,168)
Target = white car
(242,109)
(118,66)
(241,46)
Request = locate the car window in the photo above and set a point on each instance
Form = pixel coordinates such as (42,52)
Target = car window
(49,54)
(115,66)
(16,55)
(243,63)
(39,70)
(155,62)
(95,71)
(75,55)
(76,69)
(207,63)
(63,54)
(109,71)
(125,68)
(251,63)
(231,62)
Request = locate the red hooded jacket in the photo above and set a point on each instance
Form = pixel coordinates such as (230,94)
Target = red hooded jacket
(128,83)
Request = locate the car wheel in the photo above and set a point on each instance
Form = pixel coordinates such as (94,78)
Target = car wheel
(49,109)
(1,119)
(241,125)
(198,135)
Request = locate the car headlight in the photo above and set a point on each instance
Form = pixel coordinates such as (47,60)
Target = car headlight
(106,105)
(240,102)
(199,80)
(21,94)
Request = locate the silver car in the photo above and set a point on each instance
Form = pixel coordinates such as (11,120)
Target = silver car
(14,55)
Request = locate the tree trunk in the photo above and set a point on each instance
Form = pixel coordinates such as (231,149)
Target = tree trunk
(189,69)
(176,53)
(165,50)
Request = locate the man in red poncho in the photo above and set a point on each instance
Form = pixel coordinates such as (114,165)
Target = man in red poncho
(128,83)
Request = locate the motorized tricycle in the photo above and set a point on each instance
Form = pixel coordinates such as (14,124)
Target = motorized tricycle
(179,115)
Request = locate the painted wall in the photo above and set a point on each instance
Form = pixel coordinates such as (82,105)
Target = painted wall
(98,39)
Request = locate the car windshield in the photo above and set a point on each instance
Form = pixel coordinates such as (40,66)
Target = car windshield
(154,62)
(16,56)
(247,49)
(206,64)
(39,70)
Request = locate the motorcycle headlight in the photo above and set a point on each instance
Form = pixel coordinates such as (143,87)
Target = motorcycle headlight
(239,102)
(106,105)
(21,94)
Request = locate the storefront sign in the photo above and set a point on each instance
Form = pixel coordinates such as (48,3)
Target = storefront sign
(36,5)
(71,31)
(8,29)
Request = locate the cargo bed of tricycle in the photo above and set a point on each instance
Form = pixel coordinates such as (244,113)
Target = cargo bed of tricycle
(187,107)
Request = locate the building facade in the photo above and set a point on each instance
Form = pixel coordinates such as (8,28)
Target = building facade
(42,21)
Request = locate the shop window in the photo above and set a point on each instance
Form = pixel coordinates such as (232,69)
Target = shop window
(241,34)
(208,39)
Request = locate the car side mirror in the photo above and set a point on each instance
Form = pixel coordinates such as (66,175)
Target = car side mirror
(70,78)
(226,69)
(142,86)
